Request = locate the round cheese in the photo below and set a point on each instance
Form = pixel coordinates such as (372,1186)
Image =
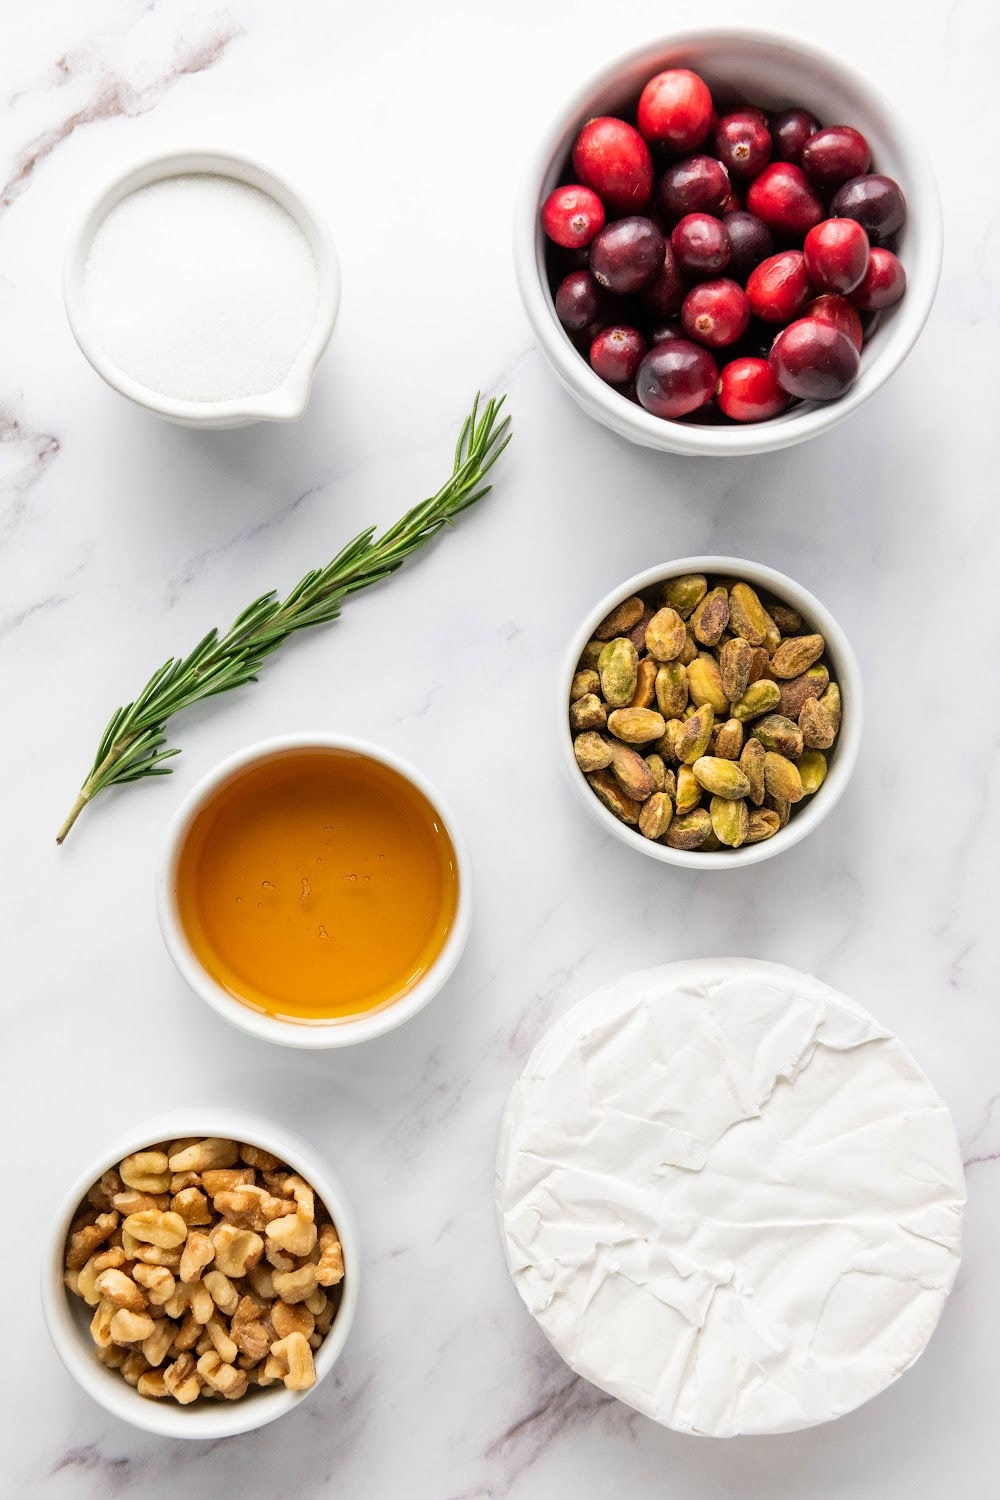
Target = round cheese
(730,1197)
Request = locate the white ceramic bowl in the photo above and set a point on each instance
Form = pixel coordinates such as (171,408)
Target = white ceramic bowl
(336,1033)
(68,1317)
(775,71)
(288,401)
(842,757)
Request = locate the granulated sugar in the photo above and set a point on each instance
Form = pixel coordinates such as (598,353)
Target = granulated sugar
(201,288)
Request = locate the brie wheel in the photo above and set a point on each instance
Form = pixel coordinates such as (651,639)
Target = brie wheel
(730,1197)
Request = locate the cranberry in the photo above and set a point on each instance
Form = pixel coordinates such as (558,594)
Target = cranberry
(700,244)
(698,184)
(783,198)
(839,312)
(875,201)
(676,378)
(611,157)
(814,360)
(743,142)
(662,332)
(748,392)
(627,254)
(616,352)
(779,287)
(716,313)
(884,282)
(675,110)
(789,132)
(572,216)
(662,297)
(833,155)
(750,242)
(579,301)
(836,254)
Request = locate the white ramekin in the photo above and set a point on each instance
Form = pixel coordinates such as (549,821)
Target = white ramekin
(288,401)
(68,1317)
(314,1035)
(774,70)
(844,671)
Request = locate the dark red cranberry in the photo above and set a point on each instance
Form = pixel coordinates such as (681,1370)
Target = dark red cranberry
(698,184)
(748,392)
(716,313)
(662,297)
(883,284)
(750,242)
(734,203)
(783,198)
(875,201)
(616,352)
(779,288)
(676,378)
(661,332)
(627,254)
(814,360)
(836,254)
(701,244)
(839,312)
(789,132)
(579,301)
(831,156)
(611,157)
(675,110)
(571,216)
(743,142)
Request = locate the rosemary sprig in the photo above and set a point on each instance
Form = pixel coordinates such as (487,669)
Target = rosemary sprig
(133,745)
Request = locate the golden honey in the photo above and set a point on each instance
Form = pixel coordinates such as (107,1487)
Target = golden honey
(317,884)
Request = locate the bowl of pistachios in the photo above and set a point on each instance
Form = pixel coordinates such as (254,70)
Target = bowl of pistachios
(710,712)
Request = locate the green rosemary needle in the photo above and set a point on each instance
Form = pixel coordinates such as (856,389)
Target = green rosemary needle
(133,744)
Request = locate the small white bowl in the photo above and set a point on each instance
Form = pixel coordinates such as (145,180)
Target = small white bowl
(344,1032)
(288,401)
(773,70)
(68,1317)
(844,671)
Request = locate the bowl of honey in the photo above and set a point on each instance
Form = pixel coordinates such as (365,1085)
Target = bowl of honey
(315,892)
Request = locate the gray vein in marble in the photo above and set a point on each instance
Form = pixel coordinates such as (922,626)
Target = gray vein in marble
(201,560)
(115,98)
(558,1411)
(10,624)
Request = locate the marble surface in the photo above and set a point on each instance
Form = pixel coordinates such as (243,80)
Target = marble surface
(123,538)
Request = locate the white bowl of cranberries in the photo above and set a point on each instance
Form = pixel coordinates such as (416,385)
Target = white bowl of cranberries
(727,243)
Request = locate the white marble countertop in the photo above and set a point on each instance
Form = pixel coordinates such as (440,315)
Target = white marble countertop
(123,538)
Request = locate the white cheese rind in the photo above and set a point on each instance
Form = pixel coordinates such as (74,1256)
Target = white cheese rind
(730,1197)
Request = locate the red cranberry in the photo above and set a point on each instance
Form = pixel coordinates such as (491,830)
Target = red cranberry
(748,392)
(616,352)
(750,242)
(698,184)
(875,201)
(883,284)
(676,378)
(662,332)
(833,155)
(783,198)
(814,360)
(627,254)
(675,110)
(839,312)
(611,157)
(572,216)
(700,244)
(743,142)
(579,301)
(716,313)
(662,297)
(836,254)
(789,132)
(779,287)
